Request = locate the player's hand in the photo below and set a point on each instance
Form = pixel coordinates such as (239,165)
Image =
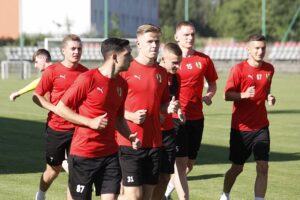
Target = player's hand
(139,116)
(250,92)
(98,123)
(13,96)
(173,105)
(207,100)
(271,100)
(181,116)
(135,142)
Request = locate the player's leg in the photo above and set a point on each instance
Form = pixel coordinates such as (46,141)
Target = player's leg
(261,150)
(109,178)
(132,179)
(168,155)
(180,178)
(239,152)
(150,171)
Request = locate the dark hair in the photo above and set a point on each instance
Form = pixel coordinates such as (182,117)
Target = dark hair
(113,45)
(184,23)
(42,52)
(256,37)
(173,48)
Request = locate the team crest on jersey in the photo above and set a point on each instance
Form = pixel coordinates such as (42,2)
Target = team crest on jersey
(159,78)
(198,65)
(119,91)
(268,77)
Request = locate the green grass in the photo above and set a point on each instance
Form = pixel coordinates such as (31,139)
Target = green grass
(22,147)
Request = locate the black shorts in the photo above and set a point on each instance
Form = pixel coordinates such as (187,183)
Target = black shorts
(168,151)
(104,173)
(57,145)
(243,143)
(189,137)
(140,166)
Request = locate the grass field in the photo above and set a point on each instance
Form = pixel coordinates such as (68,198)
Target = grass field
(22,150)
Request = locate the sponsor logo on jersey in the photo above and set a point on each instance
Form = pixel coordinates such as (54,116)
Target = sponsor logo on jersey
(100,89)
(137,77)
(62,76)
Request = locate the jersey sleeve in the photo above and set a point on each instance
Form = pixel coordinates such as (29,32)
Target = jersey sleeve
(46,83)
(210,73)
(233,80)
(31,86)
(77,92)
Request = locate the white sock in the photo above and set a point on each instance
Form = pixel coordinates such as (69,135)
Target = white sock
(65,166)
(40,195)
(225,196)
(169,189)
(259,198)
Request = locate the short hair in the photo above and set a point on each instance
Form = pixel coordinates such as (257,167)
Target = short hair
(256,37)
(173,48)
(42,52)
(147,28)
(184,23)
(113,45)
(70,37)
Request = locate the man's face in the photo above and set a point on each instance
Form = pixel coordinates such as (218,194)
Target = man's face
(256,50)
(170,62)
(40,62)
(185,37)
(72,51)
(124,59)
(148,44)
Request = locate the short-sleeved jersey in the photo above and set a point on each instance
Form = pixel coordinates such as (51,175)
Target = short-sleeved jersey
(250,114)
(147,89)
(173,83)
(191,73)
(56,79)
(92,95)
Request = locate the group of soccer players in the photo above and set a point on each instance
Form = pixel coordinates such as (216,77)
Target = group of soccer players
(132,128)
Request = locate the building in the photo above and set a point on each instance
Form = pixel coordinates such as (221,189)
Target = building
(58,17)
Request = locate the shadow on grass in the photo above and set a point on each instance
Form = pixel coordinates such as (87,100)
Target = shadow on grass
(21,146)
(284,111)
(204,177)
(212,154)
(22,149)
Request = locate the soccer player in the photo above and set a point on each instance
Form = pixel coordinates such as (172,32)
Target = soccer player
(41,59)
(170,60)
(249,86)
(56,79)
(194,67)
(98,95)
(148,95)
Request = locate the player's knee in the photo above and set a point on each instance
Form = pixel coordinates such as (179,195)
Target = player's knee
(236,169)
(262,168)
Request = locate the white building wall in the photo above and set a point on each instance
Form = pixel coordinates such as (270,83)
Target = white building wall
(50,16)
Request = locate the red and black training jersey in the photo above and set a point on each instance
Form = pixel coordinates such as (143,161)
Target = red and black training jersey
(250,114)
(56,79)
(92,95)
(147,89)
(191,73)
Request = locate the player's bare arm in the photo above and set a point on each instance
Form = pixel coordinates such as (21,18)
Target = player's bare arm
(137,117)
(236,96)
(43,102)
(211,91)
(96,123)
(122,127)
